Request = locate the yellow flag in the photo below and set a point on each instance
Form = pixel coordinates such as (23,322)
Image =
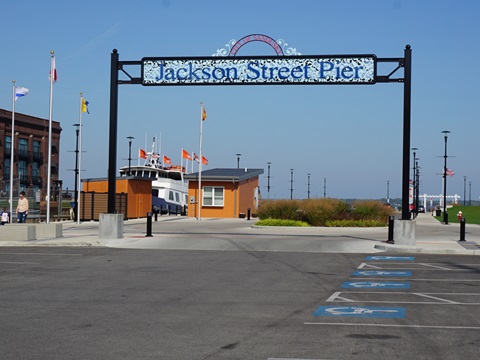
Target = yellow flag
(85,106)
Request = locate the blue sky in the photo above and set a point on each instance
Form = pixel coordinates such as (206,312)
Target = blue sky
(350,135)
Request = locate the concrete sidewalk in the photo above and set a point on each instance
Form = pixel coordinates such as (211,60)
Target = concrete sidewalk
(431,236)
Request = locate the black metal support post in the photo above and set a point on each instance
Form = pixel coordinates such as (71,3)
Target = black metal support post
(462,229)
(248,214)
(391,222)
(112,139)
(149,224)
(156,215)
(407,95)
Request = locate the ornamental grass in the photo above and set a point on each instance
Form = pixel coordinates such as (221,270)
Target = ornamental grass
(327,212)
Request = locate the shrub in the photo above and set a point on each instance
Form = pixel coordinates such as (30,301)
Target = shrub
(355,223)
(281,222)
(371,210)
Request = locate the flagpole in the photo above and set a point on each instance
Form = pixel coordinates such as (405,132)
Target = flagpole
(12,143)
(200,165)
(79,174)
(49,163)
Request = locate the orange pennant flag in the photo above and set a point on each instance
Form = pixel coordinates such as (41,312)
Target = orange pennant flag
(204,160)
(166,160)
(186,155)
(143,154)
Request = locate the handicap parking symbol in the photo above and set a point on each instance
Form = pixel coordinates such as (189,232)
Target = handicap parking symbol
(381,273)
(376,285)
(360,311)
(390,258)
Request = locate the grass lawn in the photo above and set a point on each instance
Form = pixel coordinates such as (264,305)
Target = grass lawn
(470,213)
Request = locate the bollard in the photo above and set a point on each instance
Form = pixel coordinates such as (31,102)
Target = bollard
(156,215)
(149,224)
(248,214)
(462,229)
(391,222)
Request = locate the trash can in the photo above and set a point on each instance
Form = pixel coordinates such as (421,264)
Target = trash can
(438,212)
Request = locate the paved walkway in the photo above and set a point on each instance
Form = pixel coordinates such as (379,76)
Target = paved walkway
(176,232)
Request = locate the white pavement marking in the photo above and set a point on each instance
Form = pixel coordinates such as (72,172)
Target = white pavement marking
(440,301)
(42,254)
(371,266)
(398,326)
(18,262)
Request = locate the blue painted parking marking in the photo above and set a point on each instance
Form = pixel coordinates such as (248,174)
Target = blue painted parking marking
(381,273)
(376,285)
(391,258)
(360,311)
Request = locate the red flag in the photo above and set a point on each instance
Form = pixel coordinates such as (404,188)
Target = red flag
(204,160)
(142,154)
(54,68)
(186,155)
(166,160)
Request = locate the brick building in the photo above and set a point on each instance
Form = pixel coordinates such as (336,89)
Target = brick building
(30,153)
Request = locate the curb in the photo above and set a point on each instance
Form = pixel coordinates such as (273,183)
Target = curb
(417,250)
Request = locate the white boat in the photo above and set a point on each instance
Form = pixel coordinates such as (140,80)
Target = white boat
(169,189)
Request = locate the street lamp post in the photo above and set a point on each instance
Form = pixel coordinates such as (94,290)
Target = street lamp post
(469,193)
(464,191)
(75,208)
(130,138)
(308,187)
(268,179)
(417,186)
(445,214)
(291,184)
(238,160)
(388,191)
(414,149)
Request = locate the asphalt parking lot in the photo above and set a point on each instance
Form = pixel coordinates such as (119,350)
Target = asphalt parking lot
(101,303)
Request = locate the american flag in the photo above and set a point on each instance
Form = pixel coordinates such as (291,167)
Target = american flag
(449,172)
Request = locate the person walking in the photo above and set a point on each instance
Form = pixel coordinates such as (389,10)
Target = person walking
(22,208)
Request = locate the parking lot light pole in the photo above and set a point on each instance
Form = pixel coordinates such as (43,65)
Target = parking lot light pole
(445,215)
(308,186)
(130,138)
(291,184)
(464,191)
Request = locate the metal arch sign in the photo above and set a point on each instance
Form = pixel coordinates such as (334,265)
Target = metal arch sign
(269,70)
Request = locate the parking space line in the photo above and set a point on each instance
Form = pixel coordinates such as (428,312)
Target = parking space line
(340,296)
(397,326)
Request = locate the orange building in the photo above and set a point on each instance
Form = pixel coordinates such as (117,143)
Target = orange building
(138,190)
(226,193)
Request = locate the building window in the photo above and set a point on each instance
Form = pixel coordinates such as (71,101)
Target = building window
(213,195)
(8,145)
(6,167)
